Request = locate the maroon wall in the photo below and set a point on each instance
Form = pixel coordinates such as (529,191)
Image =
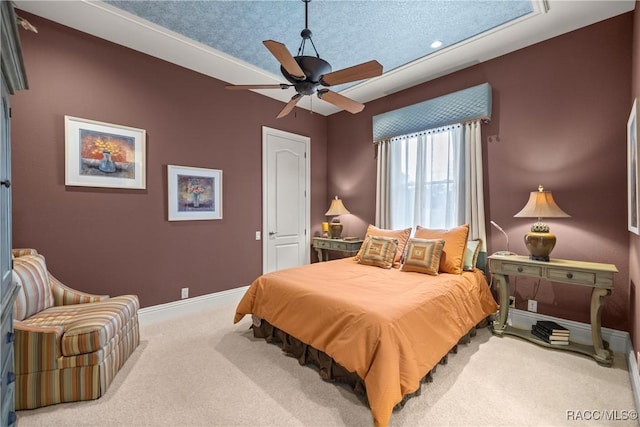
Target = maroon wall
(559,112)
(119,241)
(634,240)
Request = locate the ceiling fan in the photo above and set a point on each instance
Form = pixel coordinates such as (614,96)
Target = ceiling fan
(307,73)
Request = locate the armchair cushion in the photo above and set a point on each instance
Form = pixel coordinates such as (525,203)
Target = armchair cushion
(87,327)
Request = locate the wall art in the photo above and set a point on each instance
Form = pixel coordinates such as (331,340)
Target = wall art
(194,193)
(633,185)
(99,154)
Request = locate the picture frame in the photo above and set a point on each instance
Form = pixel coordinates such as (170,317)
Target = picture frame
(633,183)
(99,154)
(194,193)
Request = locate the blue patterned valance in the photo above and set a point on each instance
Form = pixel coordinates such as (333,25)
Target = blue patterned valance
(464,105)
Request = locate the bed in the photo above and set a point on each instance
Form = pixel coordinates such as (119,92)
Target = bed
(388,326)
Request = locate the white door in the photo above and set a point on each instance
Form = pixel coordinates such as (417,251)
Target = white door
(285,177)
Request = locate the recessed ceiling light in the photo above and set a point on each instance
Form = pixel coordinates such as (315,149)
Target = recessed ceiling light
(436,44)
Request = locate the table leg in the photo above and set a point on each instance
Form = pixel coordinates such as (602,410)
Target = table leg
(597,301)
(319,251)
(503,297)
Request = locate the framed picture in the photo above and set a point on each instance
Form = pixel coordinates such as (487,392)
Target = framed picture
(633,185)
(194,193)
(101,154)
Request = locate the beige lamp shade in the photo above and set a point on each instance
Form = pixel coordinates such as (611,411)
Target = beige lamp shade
(336,209)
(540,241)
(541,205)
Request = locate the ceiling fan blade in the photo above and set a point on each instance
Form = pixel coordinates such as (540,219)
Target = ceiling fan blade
(340,101)
(292,103)
(284,57)
(243,87)
(362,71)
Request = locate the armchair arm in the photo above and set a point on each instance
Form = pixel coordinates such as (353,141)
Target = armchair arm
(37,348)
(64,295)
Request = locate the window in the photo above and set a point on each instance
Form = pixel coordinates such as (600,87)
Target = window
(426,185)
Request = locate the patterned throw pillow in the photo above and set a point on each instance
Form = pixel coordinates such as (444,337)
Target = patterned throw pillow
(471,254)
(401,235)
(455,246)
(423,256)
(379,251)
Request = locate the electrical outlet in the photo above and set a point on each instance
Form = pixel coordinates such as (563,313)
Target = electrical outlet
(512,302)
(533,305)
(184,293)
(258,236)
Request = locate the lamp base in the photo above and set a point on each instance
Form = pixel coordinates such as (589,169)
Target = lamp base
(335,230)
(539,244)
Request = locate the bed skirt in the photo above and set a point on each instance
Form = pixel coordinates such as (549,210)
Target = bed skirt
(329,369)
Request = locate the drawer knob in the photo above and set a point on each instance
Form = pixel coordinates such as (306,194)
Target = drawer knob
(520,269)
(569,275)
(10,337)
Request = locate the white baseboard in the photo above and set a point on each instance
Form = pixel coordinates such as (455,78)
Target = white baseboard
(170,310)
(634,376)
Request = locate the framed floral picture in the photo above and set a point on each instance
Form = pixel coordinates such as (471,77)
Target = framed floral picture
(633,184)
(194,193)
(99,154)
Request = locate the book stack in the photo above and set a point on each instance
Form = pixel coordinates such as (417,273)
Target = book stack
(550,332)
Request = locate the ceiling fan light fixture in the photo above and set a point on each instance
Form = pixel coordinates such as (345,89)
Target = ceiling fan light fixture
(306,73)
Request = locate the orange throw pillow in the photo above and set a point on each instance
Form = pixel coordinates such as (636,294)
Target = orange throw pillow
(455,246)
(401,235)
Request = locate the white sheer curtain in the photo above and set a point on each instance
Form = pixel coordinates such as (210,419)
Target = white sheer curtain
(422,173)
(432,179)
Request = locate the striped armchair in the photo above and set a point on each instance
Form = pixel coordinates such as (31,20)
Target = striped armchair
(68,345)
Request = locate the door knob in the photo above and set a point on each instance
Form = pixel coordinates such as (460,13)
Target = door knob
(272,233)
(6,183)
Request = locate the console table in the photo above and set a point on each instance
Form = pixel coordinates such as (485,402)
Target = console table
(323,245)
(594,275)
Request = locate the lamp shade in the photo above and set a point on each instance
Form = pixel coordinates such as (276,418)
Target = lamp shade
(540,241)
(541,205)
(336,208)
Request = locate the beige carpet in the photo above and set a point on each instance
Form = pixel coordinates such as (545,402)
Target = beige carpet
(201,370)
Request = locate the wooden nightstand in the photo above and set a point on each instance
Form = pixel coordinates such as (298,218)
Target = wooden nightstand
(324,245)
(595,275)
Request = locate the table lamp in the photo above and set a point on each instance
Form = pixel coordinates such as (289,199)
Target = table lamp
(335,210)
(540,241)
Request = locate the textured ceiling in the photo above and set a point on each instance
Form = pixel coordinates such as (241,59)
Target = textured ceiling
(223,39)
(345,33)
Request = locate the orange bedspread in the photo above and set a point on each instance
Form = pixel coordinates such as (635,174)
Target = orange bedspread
(388,326)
